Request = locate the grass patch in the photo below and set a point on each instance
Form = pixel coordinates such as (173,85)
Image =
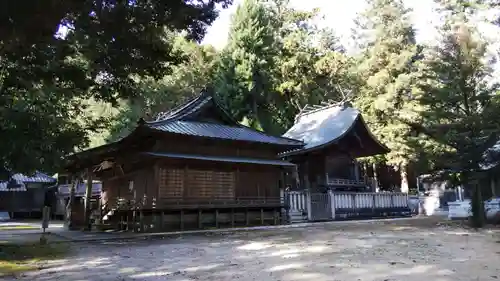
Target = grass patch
(19,258)
(18,227)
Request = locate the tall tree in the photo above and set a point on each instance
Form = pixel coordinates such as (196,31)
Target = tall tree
(273,64)
(244,79)
(460,106)
(387,71)
(156,95)
(69,51)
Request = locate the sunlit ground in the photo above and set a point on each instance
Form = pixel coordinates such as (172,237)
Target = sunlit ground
(16,258)
(367,252)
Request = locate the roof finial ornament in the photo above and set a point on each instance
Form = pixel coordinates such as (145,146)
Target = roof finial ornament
(346,98)
(344,103)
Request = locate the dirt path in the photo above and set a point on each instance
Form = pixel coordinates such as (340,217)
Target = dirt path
(406,251)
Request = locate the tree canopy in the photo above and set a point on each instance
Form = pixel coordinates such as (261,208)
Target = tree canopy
(56,54)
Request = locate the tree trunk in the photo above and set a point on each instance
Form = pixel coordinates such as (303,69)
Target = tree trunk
(403,171)
(88,196)
(375,178)
(477,207)
(69,206)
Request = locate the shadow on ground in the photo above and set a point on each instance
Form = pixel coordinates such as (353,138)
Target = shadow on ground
(372,252)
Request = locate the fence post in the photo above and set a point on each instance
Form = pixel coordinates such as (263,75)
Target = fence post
(374,203)
(331,196)
(308,205)
(393,205)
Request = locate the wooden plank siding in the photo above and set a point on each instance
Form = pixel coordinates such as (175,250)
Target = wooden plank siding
(168,184)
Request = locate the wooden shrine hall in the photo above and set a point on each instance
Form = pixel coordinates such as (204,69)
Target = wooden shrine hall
(334,136)
(191,168)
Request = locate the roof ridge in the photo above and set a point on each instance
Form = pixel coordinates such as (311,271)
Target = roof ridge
(307,110)
(177,112)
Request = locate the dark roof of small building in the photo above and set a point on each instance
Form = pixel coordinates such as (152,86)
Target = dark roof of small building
(183,120)
(21,179)
(326,125)
(218,131)
(491,157)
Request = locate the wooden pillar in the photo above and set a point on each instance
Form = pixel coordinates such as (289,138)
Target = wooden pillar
(232,217)
(217,218)
(307,183)
(200,219)
(69,206)
(88,195)
(325,161)
(375,178)
(365,172)
(492,183)
(356,170)
(162,220)
(141,221)
(127,217)
(275,217)
(182,219)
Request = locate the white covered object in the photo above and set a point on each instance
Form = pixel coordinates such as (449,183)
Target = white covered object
(4,216)
(462,209)
(492,208)
(459,209)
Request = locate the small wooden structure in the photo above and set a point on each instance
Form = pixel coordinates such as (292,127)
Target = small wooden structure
(331,184)
(23,196)
(334,136)
(192,167)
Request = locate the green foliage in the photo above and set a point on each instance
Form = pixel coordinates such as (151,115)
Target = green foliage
(185,81)
(247,66)
(459,100)
(46,76)
(273,65)
(387,71)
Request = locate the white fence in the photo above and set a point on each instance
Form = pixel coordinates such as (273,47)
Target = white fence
(344,205)
(297,206)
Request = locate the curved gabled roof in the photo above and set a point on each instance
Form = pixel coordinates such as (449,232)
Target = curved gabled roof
(327,125)
(184,121)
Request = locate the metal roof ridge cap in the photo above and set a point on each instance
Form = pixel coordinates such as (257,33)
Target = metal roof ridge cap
(315,110)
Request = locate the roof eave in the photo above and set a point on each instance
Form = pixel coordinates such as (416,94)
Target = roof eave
(290,146)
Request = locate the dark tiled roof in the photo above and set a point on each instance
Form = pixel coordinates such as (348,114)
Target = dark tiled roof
(220,131)
(182,120)
(22,179)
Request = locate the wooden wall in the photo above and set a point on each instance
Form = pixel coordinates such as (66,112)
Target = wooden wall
(169,181)
(204,180)
(210,147)
(117,188)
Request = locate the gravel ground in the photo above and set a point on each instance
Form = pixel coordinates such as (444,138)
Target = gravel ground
(404,250)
